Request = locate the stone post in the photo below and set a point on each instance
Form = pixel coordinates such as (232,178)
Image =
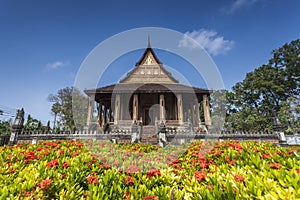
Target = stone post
(16,127)
(162,140)
(206,110)
(135,137)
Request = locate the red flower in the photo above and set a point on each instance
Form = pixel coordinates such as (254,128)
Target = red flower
(126,195)
(239,178)
(74,154)
(141,154)
(29,156)
(153,172)
(266,155)
(298,171)
(39,149)
(104,166)
(210,187)
(92,180)
(116,163)
(45,184)
(275,165)
(45,153)
(291,152)
(79,144)
(255,150)
(129,180)
(232,162)
(53,144)
(65,165)
(53,163)
(150,198)
(176,166)
(200,176)
(27,194)
(219,152)
(132,169)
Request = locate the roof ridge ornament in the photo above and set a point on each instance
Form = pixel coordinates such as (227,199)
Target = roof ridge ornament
(149,45)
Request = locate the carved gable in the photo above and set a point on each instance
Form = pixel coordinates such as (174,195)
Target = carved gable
(149,70)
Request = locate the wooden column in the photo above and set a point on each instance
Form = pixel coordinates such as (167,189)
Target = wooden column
(90,110)
(189,116)
(135,107)
(161,107)
(179,108)
(117,109)
(109,115)
(100,114)
(105,115)
(197,113)
(175,110)
(206,110)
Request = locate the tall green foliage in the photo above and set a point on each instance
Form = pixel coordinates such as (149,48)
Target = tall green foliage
(64,108)
(4,128)
(266,92)
(32,125)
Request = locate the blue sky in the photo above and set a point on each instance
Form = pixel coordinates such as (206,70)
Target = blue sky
(43,43)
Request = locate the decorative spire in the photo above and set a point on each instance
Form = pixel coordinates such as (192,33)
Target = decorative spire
(149,45)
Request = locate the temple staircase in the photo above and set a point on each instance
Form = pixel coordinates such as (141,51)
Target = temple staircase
(149,135)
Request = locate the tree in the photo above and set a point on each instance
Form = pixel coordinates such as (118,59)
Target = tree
(4,128)
(218,104)
(79,108)
(55,110)
(32,124)
(287,58)
(289,114)
(257,100)
(71,108)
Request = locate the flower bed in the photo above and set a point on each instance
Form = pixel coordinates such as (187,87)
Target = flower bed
(101,170)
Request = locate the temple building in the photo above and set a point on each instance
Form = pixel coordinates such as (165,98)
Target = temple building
(149,95)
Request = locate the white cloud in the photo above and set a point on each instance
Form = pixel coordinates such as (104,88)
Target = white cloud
(57,64)
(208,39)
(237,4)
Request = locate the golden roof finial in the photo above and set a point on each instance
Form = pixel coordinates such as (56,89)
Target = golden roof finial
(149,45)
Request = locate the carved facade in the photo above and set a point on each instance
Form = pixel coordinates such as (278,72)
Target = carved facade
(149,94)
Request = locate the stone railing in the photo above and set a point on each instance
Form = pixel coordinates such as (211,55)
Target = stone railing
(122,135)
(188,135)
(176,135)
(293,139)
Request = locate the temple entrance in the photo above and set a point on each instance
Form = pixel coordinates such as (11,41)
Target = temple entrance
(147,120)
(151,114)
